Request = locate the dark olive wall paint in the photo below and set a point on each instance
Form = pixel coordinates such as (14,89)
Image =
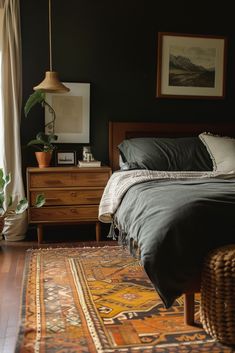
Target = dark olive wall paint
(113,45)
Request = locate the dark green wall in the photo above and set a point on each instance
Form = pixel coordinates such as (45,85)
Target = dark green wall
(113,45)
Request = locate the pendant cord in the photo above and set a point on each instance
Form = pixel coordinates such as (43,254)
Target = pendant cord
(51,82)
(50,51)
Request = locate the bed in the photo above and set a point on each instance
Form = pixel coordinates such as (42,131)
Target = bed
(172,218)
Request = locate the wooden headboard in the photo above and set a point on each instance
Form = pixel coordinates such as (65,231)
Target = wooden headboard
(118,131)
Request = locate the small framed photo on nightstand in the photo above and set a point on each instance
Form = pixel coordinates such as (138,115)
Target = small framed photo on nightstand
(65,158)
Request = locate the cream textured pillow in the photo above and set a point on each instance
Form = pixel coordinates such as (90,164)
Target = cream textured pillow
(221,150)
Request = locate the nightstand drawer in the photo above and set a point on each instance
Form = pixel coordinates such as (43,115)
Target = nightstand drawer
(66,179)
(64,214)
(83,196)
(72,196)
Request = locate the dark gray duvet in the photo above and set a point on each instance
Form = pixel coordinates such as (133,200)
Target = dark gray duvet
(174,224)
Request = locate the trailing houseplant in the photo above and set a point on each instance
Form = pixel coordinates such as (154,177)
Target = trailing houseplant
(43,142)
(6,203)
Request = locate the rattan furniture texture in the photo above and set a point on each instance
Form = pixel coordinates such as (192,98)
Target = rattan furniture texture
(218,294)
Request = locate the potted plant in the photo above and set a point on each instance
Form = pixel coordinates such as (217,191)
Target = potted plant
(43,142)
(7,203)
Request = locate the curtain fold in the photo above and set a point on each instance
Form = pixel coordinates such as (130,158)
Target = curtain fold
(11,75)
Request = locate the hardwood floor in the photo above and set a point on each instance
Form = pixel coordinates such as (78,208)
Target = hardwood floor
(11,270)
(12,260)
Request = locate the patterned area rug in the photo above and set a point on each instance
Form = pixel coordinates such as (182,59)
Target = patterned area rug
(99,300)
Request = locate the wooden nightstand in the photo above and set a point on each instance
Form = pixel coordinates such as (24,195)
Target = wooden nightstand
(72,195)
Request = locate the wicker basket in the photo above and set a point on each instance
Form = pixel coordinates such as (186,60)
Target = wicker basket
(218,294)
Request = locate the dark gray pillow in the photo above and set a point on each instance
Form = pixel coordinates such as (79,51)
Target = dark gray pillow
(172,154)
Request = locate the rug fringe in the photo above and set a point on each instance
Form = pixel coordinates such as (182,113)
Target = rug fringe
(72,247)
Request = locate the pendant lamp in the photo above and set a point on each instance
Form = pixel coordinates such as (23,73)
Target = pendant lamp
(51,82)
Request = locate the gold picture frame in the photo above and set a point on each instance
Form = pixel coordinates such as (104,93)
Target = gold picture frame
(191,66)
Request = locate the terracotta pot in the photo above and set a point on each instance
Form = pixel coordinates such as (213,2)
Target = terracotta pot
(44,159)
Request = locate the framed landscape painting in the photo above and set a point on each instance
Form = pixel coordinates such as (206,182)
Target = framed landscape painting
(191,66)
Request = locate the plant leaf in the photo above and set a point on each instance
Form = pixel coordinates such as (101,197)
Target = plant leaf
(40,200)
(34,98)
(47,138)
(52,138)
(4,180)
(7,180)
(42,137)
(22,206)
(35,142)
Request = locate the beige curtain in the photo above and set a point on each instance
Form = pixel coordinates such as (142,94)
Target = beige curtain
(10,148)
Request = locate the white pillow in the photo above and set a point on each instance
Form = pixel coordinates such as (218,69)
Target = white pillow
(221,150)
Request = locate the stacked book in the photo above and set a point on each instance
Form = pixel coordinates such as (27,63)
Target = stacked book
(90,164)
